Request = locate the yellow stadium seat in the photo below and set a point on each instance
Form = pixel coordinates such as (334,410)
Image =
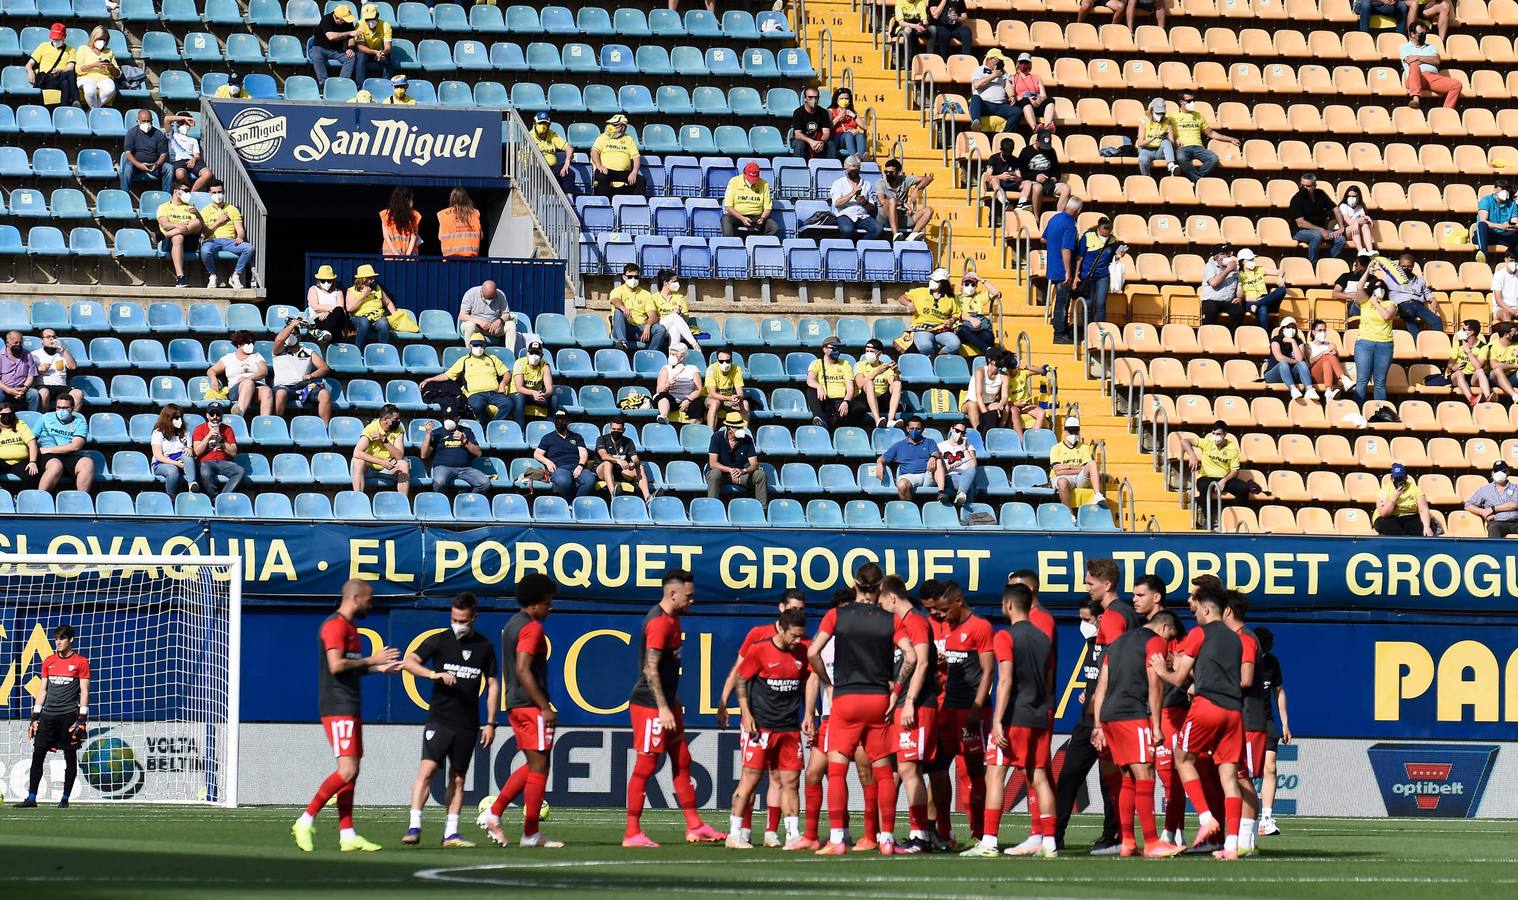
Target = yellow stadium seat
(1258,44)
(1325,46)
(1330,156)
(983,33)
(1248,193)
(1105,75)
(1104,188)
(1281,190)
(1299,118)
(1480,453)
(1464,524)
(1441,276)
(1292,44)
(1070,72)
(1155,267)
(1243,375)
(1365,156)
(1280,78)
(1128,112)
(1260,450)
(1409,451)
(1362,487)
(1495,48)
(1360,46)
(1433,344)
(1387,238)
(1012,34)
(1275,519)
(1188,267)
(1138,75)
(1314,520)
(1473,14)
(1203,230)
(1047,36)
(1260,156)
(1180,340)
(1167,229)
(1435,158)
(1417,236)
(1216,341)
(1468,484)
(1276,232)
(1183,307)
(1403,348)
(1286,485)
(1094,112)
(1387,196)
(1234,116)
(1409,122)
(1417,415)
(1298,271)
(1353,522)
(1503,12)
(1334,449)
(1478,122)
(1270,412)
(1326,487)
(1222,42)
(1316,80)
(1240,520)
(1299,450)
(1152,41)
(1349,81)
(1083,149)
(1179,191)
(1114,39)
(1211,76)
(1270,10)
(1239,231)
(1192,409)
(1303,11)
(1487,418)
(1207,375)
(1487,84)
(1132,229)
(1475,276)
(1246,78)
(1385,81)
(1389,44)
(1142,338)
(1438,489)
(1235,9)
(962,68)
(1307,416)
(1175,76)
(930,64)
(1470,160)
(1082,37)
(1375,121)
(966,140)
(1448,122)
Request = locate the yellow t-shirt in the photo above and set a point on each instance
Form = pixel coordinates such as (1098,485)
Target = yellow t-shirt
(1252,283)
(1372,326)
(177,213)
(225,93)
(1217,461)
(674,303)
(86,56)
(1407,503)
(929,311)
(1155,132)
(532,375)
(912,10)
(834,377)
(226,230)
(373,305)
(1189,128)
(881,379)
(482,374)
(1465,359)
(976,304)
(717,383)
(393,100)
(747,199)
(1020,387)
(380,441)
(549,142)
(13,443)
(50,59)
(374,38)
(638,303)
(1507,354)
(617,153)
(1065,455)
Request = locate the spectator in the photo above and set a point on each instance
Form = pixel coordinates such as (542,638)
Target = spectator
(830,387)
(812,128)
(958,456)
(1254,289)
(1287,363)
(989,89)
(1495,503)
(618,464)
(732,462)
(1313,216)
(245,373)
(55,370)
(1504,357)
(951,27)
(381,453)
(1191,129)
(1041,170)
(326,307)
(876,379)
(917,460)
(1116,7)
(616,160)
(399,95)
(299,375)
(458,226)
(1020,399)
(1373,344)
(372,45)
(1434,10)
(975,302)
(1396,11)
(1156,139)
(935,315)
(747,207)
(452,451)
(185,152)
(485,313)
(1467,363)
(679,388)
(95,69)
(1002,177)
(51,67)
(855,204)
(1414,299)
(145,155)
(1029,96)
(400,225)
(214,447)
(1215,459)
(369,307)
(1347,287)
(903,202)
(1401,509)
(724,388)
(1420,67)
(1059,264)
(913,17)
(363,97)
(635,315)
(556,150)
(60,444)
(1505,288)
(1072,464)
(1094,253)
(333,42)
(673,308)
(532,385)
(1220,288)
(1323,362)
(18,446)
(484,379)
(180,225)
(562,452)
(1496,220)
(849,137)
(232,90)
(986,404)
(18,373)
(223,231)
(1355,221)
(170,443)
(1157,7)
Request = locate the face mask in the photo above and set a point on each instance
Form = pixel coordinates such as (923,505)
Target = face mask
(460,629)
(1499,477)
(1320,334)
(65,415)
(893,177)
(1158,117)
(969,289)
(1088,630)
(1419,38)
(476,351)
(1249,264)
(178,423)
(324,285)
(1512,267)
(1220,439)
(1072,439)
(957,436)
(183,129)
(843,104)
(218,198)
(1380,294)
(1502,196)
(1462,335)
(1288,333)
(1352,200)
(1189,105)
(534,358)
(561,427)
(8,419)
(914,433)
(450,424)
(630,281)
(871,356)
(740,433)
(676,360)
(57,45)
(246,348)
(725,367)
(16,350)
(853,176)
(674,287)
(144,127)
(100,45)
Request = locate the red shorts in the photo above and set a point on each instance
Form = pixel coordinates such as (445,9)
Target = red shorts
(1211,729)
(649,735)
(1130,741)
(531,731)
(1252,763)
(773,750)
(1027,748)
(1172,720)
(961,733)
(821,738)
(346,735)
(920,742)
(859,719)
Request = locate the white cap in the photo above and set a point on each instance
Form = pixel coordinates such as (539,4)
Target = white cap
(1244,254)
(939,274)
(1072,422)
(1288,321)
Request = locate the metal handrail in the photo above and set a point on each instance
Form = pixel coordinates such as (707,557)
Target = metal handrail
(898,148)
(871,128)
(1098,452)
(1213,500)
(946,239)
(1106,358)
(1078,314)
(222,159)
(927,93)
(948,130)
(1152,525)
(825,55)
(1024,347)
(973,174)
(846,77)
(1135,411)
(1126,503)
(1157,446)
(540,189)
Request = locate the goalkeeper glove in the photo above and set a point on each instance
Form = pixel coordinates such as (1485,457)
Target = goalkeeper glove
(77,731)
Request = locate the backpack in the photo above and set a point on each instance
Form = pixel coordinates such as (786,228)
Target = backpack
(449,396)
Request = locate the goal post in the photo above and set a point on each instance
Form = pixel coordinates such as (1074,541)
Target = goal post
(163,638)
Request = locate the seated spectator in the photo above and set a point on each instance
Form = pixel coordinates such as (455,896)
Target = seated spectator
(812,129)
(180,226)
(1003,178)
(214,447)
(618,464)
(333,42)
(372,45)
(959,464)
(1220,288)
(1028,95)
(60,444)
(51,67)
(1466,369)
(679,388)
(914,19)
(458,226)
(381,453)
(1157,7)
(1094,254)
(1355,221)
(223,231)
(1215,459)
(849,136)
(935,315)
(232,90)
(18,446)
(1258,296)
(830,387)
(635,314)
(399,94)
(532,385)
(1495,503)
(732,463)
(452,451)
(950,31)
(362,98)
(1347,287)
(1155,139)
(617,161)
(96,70)
(172,449)
(674,310)
(1072,464)
(1060,241)
(987,401)
(1505,288)
(1191,131)
(369,307)
(1401,509)
(557,152)
(18,373)
(877,380)
(245,374)
(724,388)
(1313,216)
(1396,11)
(1414,299)
(1324,364)
(145,155)
(903,202)
(485,313)
(989,92)
(1503,358)
(326,307)
(917,460)
(55,372)
(1041,170)
(562,453)
(975,301)
(1374,344)
(855,204)
(299,375)
(1496,220)
(1020,399)
(484,380)
(1287,363)
(1420,67)
(1433,11)
(747,207)
(400,225)
(1116,7)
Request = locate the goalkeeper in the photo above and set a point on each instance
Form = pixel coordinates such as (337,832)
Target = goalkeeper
(58,719)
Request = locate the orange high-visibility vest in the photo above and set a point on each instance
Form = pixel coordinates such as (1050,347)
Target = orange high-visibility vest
(398,242)
(459,236)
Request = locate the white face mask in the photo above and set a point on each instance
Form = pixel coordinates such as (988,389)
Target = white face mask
(476,351)
(1502,196)
(740,433)
(1158,117)
(450,424)
(1072,439)
(246,348)
(1462,335)
(1189,105)
(676,359)
(184,129)
(1380,294)
(144,127)
(630,280)
(324,285)
(1088,630)
(1320,334)
(1288,333)
(968,288)
(534,358)
(1353,199)
(725,367)
(1512,267)
(58,45)
(1220,439)
(674,287)
(1250,264)
(179,423)
(100,45)
(218,198)
(459,630)
(871,356)
(1499,477)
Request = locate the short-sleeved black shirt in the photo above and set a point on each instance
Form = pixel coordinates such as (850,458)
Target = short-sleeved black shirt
(811,124)
(734,456)
(1314,206)
(470,659)
(562,449)
(330,23)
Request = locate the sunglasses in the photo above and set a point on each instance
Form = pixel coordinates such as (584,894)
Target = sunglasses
(867,586)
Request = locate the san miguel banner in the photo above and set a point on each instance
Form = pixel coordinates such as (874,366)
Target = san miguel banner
(275,136)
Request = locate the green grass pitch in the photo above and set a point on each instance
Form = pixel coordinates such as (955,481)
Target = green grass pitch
(155,852)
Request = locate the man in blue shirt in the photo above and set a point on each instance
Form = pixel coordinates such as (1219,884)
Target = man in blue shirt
(1094,253)
(60,444)
(1496,220)
(917,462)
(1496,502)
(564,454)
(1059,265)
(732,462)
(452,451)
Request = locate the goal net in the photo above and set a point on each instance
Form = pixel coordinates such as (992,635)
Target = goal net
(161,635)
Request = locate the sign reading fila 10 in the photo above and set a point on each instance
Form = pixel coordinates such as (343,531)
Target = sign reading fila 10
(342,138)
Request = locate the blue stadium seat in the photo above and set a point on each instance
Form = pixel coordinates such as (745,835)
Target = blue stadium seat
(773,25)
(630,511)
(774,440)
(1095,517)
(74,503)
(151,503)
(510,508)
(266,13)
(652,60)
(552,509)
(292,468)
(862,514)
(795,65)
(116,504)
(202,47)
(1018,516)
(192,506)
(759,63)
(1031,479)
(272,506)
(71,121)
(507,57)
(112,204)
(301,87)
(709,511)
(1055,517)
(902,514)
(746,511)
(331,468)
(469,56)
(388,505)
(837,478)
(940,517)
(451,18)
(108,428)
(783,513)
(234,505)
(309,505)
(487,19)
(412,16)
(354,505)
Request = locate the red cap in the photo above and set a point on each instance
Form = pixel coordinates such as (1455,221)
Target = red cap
(57,31)
(751,172)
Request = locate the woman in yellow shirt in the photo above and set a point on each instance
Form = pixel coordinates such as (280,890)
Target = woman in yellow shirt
(975,301)
(1373,346)
(96,69)
(368,306)
(674,309)
(935,314)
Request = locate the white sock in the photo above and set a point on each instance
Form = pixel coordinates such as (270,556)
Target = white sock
(735,825)
(1265,813)
(1246,832)
(305,819)
(885,837)
(745,834)
(348,834)
(1049,843)
(1231,842)
(835,835)
(988,841)
(450,824)
(416,818)
(1165,837)
(1180,837)
(918,834)
(1204,817)
(792,827)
